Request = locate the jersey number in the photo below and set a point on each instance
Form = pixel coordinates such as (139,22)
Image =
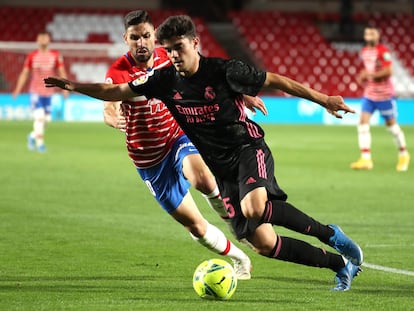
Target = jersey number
(229,207)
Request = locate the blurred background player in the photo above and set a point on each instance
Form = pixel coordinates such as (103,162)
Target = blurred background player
(162,154)
(39,63)
(378,95)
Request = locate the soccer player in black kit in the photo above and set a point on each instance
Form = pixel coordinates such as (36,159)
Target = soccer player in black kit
(205,97)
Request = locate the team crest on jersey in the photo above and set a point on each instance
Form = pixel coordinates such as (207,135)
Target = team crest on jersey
(387,56)
(209,93)
(142,79)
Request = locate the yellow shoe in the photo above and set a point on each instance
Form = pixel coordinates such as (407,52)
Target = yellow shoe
(362,164)
(403,162)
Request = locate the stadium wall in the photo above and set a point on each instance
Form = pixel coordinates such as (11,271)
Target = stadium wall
(142,4)
(281,110)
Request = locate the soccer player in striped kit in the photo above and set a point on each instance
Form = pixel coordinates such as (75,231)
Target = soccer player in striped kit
(162,154)
(378,95)
(43,61)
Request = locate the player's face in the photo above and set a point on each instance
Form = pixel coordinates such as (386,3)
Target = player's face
(183,52)
(371,36)
(141,41)
(43,40)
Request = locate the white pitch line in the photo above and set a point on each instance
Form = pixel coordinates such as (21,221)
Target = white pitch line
(388,269)
(388,245)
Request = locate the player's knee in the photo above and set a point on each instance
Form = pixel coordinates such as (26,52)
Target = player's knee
(204,183)
(39,115)
(200,178)
(263,249)
(253,205)
(394,129)
(249,211)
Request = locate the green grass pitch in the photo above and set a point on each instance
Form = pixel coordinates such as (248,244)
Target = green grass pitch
(80,231)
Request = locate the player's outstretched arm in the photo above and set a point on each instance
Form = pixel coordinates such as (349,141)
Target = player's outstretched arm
(103,91)
(332,104)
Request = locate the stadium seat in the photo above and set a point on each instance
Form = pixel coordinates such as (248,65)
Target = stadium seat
(78,25)
(272,34)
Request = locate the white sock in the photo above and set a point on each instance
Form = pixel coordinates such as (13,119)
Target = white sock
(215,202)
(399,138)
(39,125)
(39,129)
(216,241)
(364,141)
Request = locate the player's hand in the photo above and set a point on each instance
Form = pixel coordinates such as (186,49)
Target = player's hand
(335,104)
(118,122)
(253,103)
(65,94)
(114,115)
(362,77)
(59,82)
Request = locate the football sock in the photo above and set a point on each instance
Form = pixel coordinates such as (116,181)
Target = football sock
(215,240)
(399,138)
(364,141)
(215,202)
(38,129)
(300,252)
(282,213)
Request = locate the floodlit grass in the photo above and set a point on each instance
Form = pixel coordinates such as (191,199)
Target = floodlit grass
(80,231)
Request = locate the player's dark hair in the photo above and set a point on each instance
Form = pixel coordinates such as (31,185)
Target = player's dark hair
(136,17)
(176,26)
(370,26)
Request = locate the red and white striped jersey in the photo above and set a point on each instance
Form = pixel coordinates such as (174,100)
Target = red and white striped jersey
(42,64)
(151,129)
(375,59)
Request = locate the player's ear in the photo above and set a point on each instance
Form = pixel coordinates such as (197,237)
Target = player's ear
(196,43)
(124,35)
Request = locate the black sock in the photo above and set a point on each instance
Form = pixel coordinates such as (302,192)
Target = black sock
(281,213)
(300,252)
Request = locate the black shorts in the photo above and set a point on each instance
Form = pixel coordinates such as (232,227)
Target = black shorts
(254,169)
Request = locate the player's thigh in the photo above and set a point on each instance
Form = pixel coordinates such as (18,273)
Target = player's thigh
(168,186)
(46,104)
(197,173)
(263,239)
(368,107)
(364,117)
(388,111)
(257,182)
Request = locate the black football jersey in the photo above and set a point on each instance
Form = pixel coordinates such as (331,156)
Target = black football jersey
(209,106)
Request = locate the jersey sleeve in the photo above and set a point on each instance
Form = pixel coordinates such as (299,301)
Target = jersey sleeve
(59,60)
(385,57)
(155,83)
(28,61)
(113,76)
(243,78)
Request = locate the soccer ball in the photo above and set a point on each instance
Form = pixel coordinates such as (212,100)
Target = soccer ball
(215,279)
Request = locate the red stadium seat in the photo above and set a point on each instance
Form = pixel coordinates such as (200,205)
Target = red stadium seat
(84,25)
